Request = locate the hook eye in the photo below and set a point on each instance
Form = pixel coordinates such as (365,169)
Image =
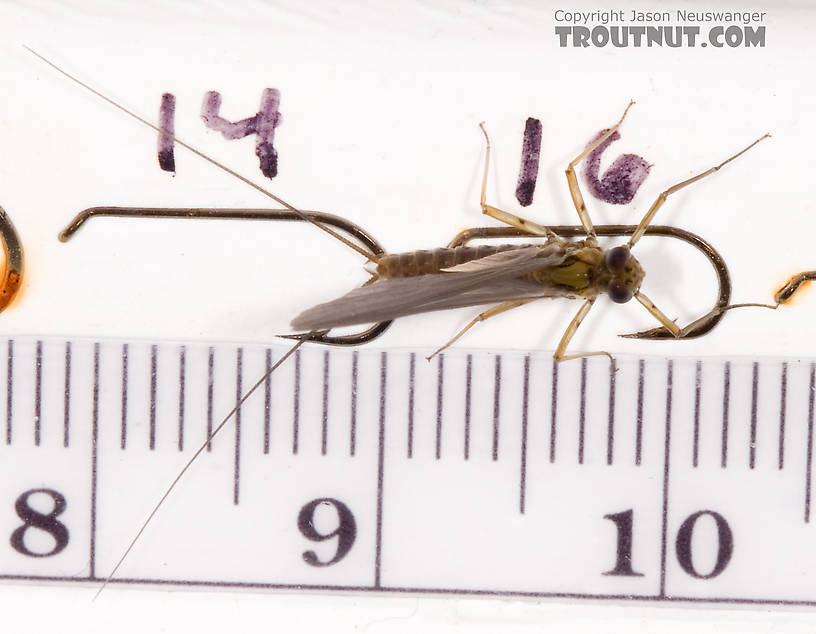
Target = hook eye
(12,271)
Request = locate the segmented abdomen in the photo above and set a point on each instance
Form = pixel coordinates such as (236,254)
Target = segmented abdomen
(426,262)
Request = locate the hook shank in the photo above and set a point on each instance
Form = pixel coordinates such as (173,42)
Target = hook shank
(697,329)
(354,231)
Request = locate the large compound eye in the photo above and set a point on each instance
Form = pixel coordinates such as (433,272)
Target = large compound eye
(619,292)
(617,258)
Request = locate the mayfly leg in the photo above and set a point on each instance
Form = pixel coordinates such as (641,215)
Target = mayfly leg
(782,296)
(658,314)
(572,178)
(523,224)
(531,227)
(644,223)
(490,312)
(586,222)
(570,331)
(675,188)
(506,217)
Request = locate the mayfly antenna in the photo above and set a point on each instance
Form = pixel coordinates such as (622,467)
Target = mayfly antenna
(647,303)
(303,216)
(193,458)
(201,154)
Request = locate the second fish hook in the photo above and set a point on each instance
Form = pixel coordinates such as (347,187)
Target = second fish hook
(698,328)
(353,231)
(12,276)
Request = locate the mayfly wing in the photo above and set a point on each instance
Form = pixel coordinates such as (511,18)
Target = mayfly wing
(493,278)
(378,302)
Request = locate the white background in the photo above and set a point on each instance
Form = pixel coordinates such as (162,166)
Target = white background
(380,111)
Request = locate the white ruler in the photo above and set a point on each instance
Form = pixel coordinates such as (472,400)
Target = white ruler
(374,471)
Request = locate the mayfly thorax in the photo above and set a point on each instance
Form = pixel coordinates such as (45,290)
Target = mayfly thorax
(502,276)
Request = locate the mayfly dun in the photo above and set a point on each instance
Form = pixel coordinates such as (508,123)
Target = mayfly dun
(513,275)
(504,276)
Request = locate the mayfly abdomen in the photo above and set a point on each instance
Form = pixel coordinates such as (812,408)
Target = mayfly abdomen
(426,262)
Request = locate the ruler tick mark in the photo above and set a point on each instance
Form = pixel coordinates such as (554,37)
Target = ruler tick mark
(182,381)
(267,400)
(239,392)
(666,466)
(210,390)
(324,432)
(468,394)
(496,404)
(695,451)
(610,430)
(525,398)
(380,470)
(754,390)
(783,397)
(353,425)
(440,380)
(94,448)
(296,405)
(553,410)
(582,412)
(37,392)
(192,364)
(726,398)
(154,353)
(639,413)
(66,404)
(411,379)
(809,463)
(123,433)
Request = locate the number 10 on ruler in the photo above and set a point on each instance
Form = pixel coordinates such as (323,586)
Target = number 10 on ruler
(375,471)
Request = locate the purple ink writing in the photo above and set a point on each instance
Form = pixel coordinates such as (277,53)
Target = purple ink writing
(167,118)
(530,151)
(621,181)
(262,125)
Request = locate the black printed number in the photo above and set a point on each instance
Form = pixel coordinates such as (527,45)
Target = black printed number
(725,544)
(623,560)
(345,532)
(45,522)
